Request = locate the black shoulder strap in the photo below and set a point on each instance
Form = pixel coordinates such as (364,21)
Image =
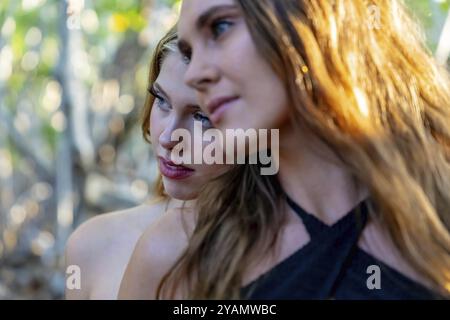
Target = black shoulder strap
(312,224)
(360,216)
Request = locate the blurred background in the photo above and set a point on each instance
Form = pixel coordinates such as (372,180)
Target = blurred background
(73,77)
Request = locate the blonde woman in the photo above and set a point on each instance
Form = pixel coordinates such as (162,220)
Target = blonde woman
(360,208)
(102,246)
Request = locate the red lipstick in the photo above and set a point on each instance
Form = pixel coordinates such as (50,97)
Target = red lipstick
(173,171)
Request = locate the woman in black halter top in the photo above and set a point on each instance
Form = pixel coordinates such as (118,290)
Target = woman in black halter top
(360,110)
(332,266)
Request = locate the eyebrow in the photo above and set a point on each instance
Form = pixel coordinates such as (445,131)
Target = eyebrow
(183,46)
(157,87)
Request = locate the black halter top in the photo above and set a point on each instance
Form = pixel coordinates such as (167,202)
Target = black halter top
(332,266)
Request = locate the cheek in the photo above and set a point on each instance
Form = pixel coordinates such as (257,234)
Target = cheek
(246,60)
(156,126)
(268,96)
(253,74)
(280,99)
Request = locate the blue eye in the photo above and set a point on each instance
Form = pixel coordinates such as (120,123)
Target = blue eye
(198,116)
(186,58)
(219,26)
(162,103)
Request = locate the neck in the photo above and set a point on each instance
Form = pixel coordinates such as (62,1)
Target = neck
(313,176)
(175,203)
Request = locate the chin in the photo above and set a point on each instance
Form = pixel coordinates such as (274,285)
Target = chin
(178,190)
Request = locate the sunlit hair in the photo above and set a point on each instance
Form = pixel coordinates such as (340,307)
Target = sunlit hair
(378,99)
(166,45)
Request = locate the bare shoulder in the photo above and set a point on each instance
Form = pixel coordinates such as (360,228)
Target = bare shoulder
(156,252)
(99,231)
(93,239)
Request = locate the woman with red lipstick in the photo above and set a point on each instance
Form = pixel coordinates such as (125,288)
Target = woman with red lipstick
(360,206)
(102,246)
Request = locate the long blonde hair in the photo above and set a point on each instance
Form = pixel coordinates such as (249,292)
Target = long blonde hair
(376,96)
(166,45)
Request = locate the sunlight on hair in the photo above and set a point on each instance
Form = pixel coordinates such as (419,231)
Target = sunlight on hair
(396,16)
(447,283)
(334,32)
(361,101)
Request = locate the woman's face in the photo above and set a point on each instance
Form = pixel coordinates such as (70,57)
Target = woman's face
(235,86)
(176,107)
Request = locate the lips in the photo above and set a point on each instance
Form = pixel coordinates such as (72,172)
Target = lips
(218,106)
(173,171)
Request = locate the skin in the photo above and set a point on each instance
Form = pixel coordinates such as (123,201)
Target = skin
(225,62)
(102,246)
(157,250)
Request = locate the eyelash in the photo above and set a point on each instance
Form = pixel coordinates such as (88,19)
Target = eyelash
(160,100)
(218,22)
(187,53)
(196,115)
(203,118)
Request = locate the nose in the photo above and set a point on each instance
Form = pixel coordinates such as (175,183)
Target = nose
(165,138)
(201,72)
